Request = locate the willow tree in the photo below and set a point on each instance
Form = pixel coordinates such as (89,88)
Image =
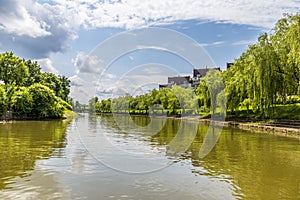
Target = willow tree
(265,59)
(287,45)
(3,105)
(210,87)
(269,70)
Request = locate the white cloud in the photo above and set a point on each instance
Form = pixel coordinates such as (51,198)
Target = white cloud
(87,64)
(76,81)
(46,65)
(31,17)
(135,82)
(142,47)
(134,13)
(108,76)
(21,22)
(36,28)
(244,42)
(217,43)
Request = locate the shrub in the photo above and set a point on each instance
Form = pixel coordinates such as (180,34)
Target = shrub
(3,105)
(21,101)
(44,102)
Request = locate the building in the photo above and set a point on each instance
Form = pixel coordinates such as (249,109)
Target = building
(200,73)
(187,81)
(183,81)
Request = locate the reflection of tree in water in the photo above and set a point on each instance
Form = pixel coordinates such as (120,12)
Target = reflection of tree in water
(261,166)
(24,142)
(257,166)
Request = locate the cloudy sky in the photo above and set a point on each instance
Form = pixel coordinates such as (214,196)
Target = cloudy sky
(63,35)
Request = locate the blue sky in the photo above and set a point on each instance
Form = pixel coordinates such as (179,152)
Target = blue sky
(61,34)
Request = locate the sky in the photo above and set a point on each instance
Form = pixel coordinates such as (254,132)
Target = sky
(80,38)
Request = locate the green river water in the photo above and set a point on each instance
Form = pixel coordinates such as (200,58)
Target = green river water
(123,157)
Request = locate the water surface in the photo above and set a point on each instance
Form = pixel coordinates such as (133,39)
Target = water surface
(122,157)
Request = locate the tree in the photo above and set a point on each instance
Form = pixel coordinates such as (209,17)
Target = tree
(92,103)
(64,88)
(34,73)
(21,101)
(3,105)
(171,101)
(186,98)
(45,96)
(268,70)
(44,102)
(59,84)
(12,69)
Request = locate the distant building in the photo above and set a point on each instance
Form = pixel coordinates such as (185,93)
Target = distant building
(183,81)
(200,73)
(187,81)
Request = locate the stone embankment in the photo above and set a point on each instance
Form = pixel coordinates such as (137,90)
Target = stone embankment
(287,128)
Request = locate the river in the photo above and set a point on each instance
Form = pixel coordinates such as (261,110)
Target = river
(123,157)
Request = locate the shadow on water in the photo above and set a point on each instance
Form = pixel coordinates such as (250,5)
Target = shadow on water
(22,143)
(257,166)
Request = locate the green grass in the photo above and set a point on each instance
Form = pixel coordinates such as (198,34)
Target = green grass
(288,111)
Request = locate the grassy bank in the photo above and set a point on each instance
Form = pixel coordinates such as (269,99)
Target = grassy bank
(288,111)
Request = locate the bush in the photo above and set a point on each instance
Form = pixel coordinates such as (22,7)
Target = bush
(21,101)
(293,99)
(2,100)
(44,102)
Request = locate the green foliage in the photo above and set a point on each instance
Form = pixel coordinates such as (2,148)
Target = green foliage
(265,75)
(3,105)
(12,69)
(65,104)
(267,71)
(28,92)
(211,93)
(22,101)
(44,102)
(92,103)
(174,101)
(103,106)
(186,99)
(34,73)
(78,107)
(60,85)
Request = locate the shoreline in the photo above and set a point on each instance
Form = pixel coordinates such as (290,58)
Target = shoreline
(266,129)
(257,128)
(263,129)
(69,114)
(245,125)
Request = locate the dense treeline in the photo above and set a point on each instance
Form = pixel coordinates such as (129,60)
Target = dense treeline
(170,101)
(261,80)
(165,101)
(26,92)
(268,73)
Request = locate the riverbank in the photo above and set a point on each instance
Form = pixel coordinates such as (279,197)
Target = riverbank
(68,114)
(266,128)
(258,126)
(255,125)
